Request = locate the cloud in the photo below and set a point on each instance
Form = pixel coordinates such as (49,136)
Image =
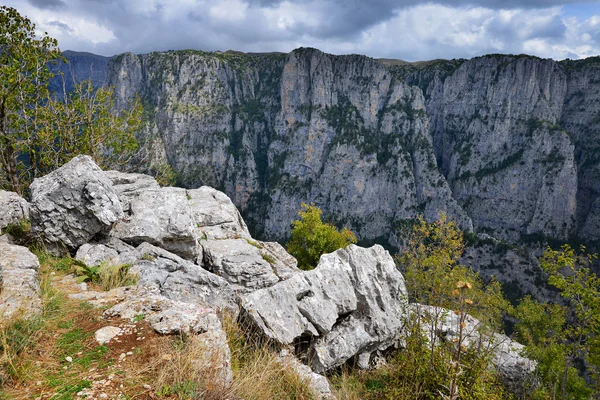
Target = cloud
(48,4)
(406,29)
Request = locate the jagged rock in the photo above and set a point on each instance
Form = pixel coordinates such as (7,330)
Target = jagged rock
(128,186)
(179,279)
(317,382)
(354,302)
(240,262)
(108,251)
(215,215)
(13,208)
(515,370)
(19,287)
(162,217)
(106,334)
(283,263)
(72,204)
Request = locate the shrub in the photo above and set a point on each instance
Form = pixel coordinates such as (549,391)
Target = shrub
(312,238)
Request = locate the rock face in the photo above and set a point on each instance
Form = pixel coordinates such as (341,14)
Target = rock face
(72,204)
(274,131)
(162,217)
(353,303)
(19,288)
(515,137)
(515,370)
(13,209)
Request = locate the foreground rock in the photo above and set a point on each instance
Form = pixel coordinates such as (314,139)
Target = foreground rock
(179,279)
(19,287)
(515,370)
(215,215)
(128,186)
(13,209)
(72,204)
(162,217)
(351,305)
(247,264)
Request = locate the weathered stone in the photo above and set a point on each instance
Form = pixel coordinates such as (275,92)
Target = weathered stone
(19,287)
(106,334)
(13,209)
(179,279)
(107,251)
(162,217)
(72,204)
(128,186)
(240,262)
(515,370)
(354,302)
(215,215)
(283,263)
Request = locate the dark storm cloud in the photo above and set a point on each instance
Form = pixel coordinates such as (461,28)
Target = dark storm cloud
(47,4)
(61,25)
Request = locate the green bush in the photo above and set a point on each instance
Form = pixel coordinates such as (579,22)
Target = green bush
(311,237)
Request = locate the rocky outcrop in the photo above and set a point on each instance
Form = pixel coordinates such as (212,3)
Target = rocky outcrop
(19,287)
(353,303)
(129,186)
(72,204)
(316,382)
(14,209)
(440,325)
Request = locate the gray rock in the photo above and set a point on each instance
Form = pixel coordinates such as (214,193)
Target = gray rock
(13,209)
(354,302)
(72,204)
(442,325)
(19,287)
(106,334)
(239,262)
(107,251)
(318,383)
(162,217)
(179,279)
(283,263)
(215,215)
(128,186)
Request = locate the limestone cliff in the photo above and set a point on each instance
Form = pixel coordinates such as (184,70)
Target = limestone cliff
(507,142)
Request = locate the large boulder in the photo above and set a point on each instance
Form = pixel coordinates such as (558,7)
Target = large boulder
(162,217)
(442,325)
(128,185)
(13,209)
(215,215)
(244,263)
(353,304)
(179,279)
(19,287)
(72,204)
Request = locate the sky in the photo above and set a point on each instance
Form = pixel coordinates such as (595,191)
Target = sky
(403,29)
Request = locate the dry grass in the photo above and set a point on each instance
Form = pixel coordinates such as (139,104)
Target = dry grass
(257,373)
(114,276)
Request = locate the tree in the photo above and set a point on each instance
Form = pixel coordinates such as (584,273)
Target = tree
(311,237)
(557,336)
(430,263)
(24,77)
(40,132)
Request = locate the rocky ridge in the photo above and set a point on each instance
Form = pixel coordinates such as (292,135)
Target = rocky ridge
(349,308)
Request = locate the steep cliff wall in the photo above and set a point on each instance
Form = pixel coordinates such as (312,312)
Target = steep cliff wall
(275,130)
(507,142)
